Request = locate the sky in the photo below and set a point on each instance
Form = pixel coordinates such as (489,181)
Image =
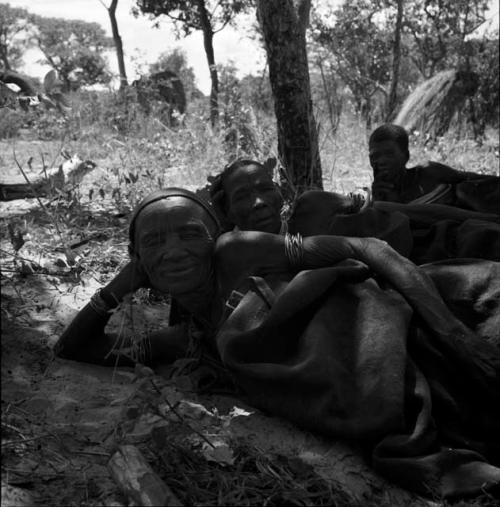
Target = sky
(143,44)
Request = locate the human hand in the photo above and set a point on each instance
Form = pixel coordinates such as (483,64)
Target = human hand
(384,188)
(130,278)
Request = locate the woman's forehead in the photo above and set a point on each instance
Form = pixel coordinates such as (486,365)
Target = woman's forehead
(175,210)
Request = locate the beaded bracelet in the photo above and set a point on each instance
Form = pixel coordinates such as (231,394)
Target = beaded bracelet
(99,305)
(294,250)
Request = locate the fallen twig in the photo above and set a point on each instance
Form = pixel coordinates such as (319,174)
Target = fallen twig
(174,411)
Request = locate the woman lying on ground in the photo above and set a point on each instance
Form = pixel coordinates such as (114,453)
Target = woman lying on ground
(342,336)
(247,198)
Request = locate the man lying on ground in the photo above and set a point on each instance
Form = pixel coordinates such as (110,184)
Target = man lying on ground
(428,183)
(342,336)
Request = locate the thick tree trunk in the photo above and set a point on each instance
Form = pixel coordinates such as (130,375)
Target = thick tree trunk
(208,38)
(118,44)
(284,24)
(393,96)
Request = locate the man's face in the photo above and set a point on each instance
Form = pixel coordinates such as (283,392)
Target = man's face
(253,200)
(387,159)
(174,243)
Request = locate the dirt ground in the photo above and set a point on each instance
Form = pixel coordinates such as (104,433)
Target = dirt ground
(62,421)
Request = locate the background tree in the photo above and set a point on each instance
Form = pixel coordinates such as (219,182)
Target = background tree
(284,24)
(14,35)
(396,60)
(176,61)
(357,37)
(209,16)
(75,49)
(117,41)
(438,31)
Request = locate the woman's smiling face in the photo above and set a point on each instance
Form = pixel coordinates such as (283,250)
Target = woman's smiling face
(174,241)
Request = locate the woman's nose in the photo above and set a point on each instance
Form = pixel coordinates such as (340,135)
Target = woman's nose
(172,250)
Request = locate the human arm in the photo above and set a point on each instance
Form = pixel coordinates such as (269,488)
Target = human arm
(242,254)
(85,340)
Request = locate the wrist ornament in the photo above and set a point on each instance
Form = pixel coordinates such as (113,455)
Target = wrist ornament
(102,302)
(294,250)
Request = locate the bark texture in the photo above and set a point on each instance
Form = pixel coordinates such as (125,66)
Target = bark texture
(208,38)
(284,24)
(393,93)
(118,44)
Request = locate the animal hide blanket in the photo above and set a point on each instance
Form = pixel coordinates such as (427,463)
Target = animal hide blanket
(422,232)
(373,352)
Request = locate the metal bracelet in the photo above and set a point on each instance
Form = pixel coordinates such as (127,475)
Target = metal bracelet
(98,304)
(294,250)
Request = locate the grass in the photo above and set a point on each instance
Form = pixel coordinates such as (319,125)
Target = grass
(135,154)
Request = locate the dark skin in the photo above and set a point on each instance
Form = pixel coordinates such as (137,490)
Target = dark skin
(388,161)
(253,200)
(173,252)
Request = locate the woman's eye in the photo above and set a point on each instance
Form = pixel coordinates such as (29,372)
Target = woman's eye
(152,242)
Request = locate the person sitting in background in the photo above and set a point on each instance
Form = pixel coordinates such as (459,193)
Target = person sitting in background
(342,336)
(428,183)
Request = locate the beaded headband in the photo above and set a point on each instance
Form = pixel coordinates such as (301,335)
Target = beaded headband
(159,195)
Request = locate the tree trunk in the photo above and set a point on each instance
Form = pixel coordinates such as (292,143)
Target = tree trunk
(208,38)
(393,97)
(284,24)
(118,44)
(3,58)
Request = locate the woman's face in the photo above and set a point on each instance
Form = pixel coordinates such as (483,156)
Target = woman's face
(174,242)
(253,200)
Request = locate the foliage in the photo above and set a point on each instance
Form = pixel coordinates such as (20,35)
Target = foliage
(483,108)
(355,43)
(438,30)
(74,48)
(256,90)
(14,35)
(176,61)
(187,13)
(208,16)
(361,48)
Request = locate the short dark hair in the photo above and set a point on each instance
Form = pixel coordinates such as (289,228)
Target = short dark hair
(217,192)
(391,132)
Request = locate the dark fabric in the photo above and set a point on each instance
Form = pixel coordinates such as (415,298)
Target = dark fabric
(383,360)
(465,190)
(422,232)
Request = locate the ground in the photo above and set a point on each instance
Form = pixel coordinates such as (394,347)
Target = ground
(62,421)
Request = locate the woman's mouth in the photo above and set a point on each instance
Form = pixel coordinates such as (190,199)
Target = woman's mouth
(181,271)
